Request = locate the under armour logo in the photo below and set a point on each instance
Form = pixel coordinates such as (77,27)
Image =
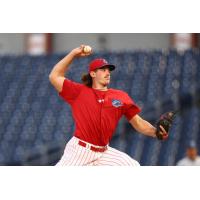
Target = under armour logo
(101,100)
(105,61)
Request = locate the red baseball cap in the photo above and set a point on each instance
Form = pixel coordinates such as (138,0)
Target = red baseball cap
(99,63)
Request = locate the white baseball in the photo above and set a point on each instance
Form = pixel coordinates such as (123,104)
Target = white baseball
(87,49)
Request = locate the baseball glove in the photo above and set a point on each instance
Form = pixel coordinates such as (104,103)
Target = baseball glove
(165,121)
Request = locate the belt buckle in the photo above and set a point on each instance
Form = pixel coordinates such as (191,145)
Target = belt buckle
(91,147)
(99,149)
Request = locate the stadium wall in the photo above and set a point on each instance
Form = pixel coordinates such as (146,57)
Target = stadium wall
(14,43)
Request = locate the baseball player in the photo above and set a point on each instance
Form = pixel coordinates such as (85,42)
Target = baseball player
(192,158)
(96,110)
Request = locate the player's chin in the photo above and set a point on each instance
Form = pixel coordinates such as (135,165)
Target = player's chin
(107,82)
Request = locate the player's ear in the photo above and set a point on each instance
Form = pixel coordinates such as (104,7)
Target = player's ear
(93,74)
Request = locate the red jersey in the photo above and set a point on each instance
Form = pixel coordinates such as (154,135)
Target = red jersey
(96,113)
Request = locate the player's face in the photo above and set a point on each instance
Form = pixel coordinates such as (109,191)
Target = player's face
(103,76)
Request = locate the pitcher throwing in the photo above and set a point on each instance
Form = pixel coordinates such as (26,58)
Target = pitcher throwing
(96,110)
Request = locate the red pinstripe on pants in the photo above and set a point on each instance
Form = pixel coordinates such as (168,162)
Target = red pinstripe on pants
(76,155)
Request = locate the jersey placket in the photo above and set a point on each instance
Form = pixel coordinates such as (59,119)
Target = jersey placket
(100,101)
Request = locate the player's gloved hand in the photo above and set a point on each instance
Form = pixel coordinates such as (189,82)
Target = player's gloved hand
(163,125)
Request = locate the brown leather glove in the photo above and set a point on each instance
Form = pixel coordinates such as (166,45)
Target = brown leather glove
(165,121)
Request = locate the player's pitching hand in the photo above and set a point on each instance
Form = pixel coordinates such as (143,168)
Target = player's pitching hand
(81,51)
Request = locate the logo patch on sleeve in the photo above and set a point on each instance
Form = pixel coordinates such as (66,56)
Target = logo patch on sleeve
(116,103)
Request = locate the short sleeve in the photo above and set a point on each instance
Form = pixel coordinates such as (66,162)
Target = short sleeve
(130,108)
(70,90)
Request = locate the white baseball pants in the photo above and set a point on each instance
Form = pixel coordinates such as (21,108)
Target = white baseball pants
(76,155)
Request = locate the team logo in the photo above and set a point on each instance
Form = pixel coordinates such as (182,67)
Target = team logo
(116,103)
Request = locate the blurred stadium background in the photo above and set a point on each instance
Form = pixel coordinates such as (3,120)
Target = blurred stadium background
(161,72)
